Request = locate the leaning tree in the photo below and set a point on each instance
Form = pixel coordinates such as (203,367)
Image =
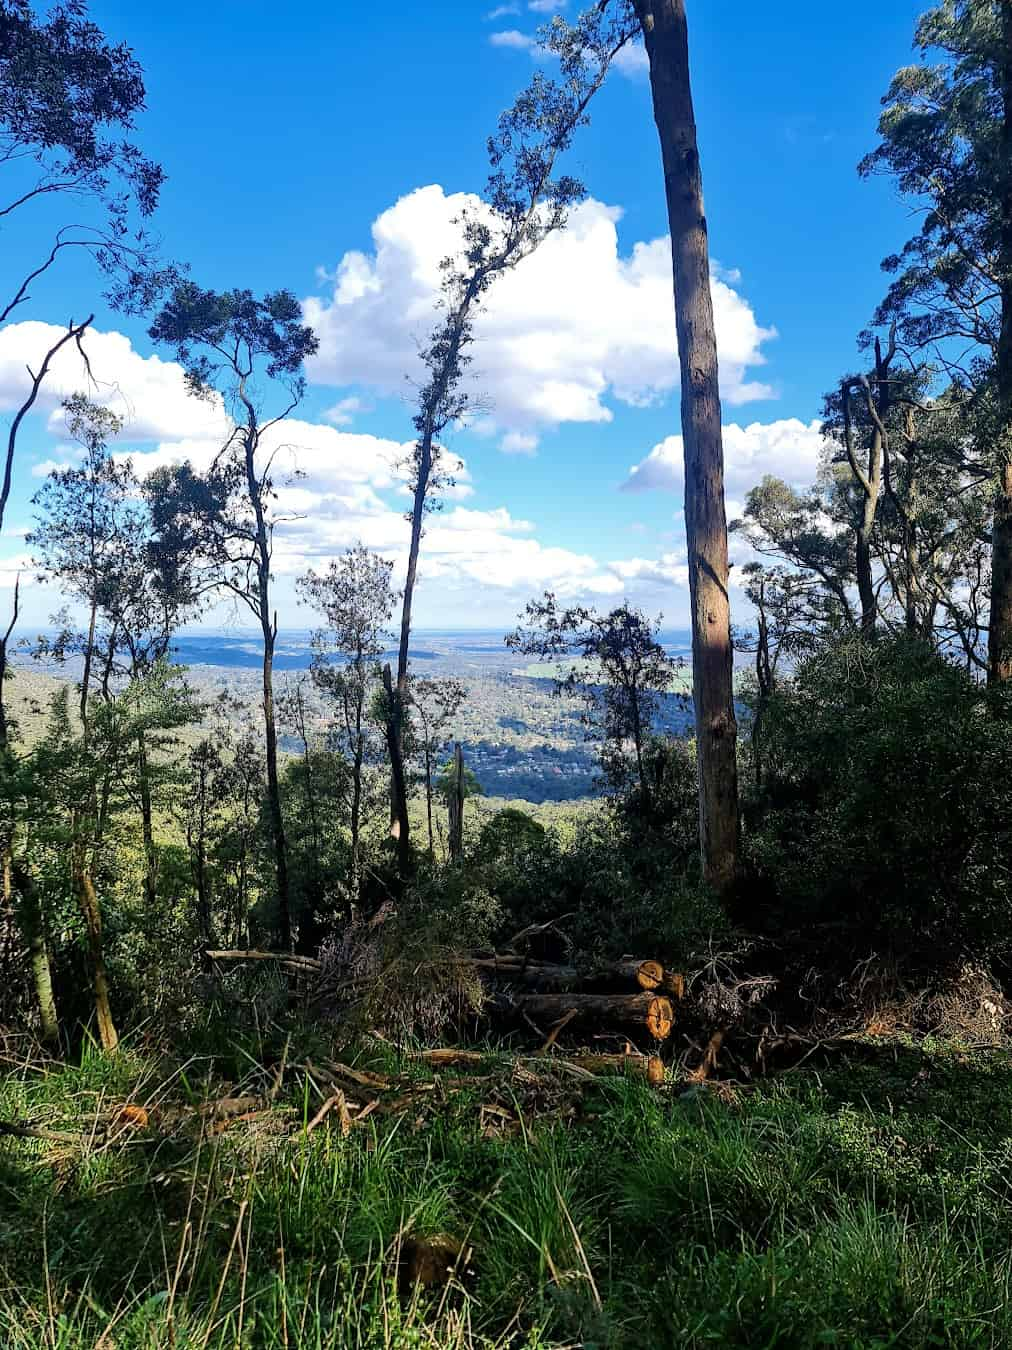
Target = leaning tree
(526,200)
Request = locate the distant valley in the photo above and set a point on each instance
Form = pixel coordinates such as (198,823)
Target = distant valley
(521,739)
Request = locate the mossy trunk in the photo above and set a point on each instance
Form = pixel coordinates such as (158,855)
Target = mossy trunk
(32,922)
(87,899)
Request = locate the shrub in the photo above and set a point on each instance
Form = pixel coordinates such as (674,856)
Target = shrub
(885,803)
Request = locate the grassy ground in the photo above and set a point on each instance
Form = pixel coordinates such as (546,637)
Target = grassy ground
(865,1203)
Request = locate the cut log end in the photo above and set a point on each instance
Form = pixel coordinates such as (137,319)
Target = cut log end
(650,975)
(660,1018)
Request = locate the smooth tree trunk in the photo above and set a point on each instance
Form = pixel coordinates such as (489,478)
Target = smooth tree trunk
(397,694)
(666,37)
(147,826)
(274,792)
(398,778)
(457,806)
(869,476)
(268,626)
(999,646)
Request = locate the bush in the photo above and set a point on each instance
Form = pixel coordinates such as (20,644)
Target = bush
(884,806)
(627,881)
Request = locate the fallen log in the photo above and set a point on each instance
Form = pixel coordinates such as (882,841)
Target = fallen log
(636,1066)
(307,964)
(642,1010)
(15,1130)
(649,975)
(450,1056)
(550,978)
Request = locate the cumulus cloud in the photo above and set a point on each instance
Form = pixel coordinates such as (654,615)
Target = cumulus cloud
(669,570)
(147,393)
(336,487)
(573,328)
(787,449)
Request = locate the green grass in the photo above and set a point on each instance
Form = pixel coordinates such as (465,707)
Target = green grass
(866,1204)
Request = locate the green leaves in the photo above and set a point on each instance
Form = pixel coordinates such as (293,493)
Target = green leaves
(231,332)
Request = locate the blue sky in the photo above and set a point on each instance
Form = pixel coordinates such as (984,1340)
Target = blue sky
(286,138)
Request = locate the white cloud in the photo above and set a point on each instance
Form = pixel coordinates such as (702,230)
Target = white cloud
(632,61)
(575,326)
(147,393)
(519,443)
(510,37)
(669,570)
(44,467)
(336,487)
(342,414)
(787,449)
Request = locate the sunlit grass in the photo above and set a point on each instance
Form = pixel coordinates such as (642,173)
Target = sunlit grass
(868,1206)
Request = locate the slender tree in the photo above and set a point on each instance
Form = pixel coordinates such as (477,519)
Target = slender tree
(356,597)
(435,703)
(525,202)
(67,95)
(665,34)
(618,663)
(228,341)
(85,517)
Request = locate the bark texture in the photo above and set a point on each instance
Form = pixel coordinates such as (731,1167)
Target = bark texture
(666,37)
(633,1010)
(999,647)
(457,806)
(268,626)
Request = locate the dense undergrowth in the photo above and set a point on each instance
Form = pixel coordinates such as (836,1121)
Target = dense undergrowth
(860,1202)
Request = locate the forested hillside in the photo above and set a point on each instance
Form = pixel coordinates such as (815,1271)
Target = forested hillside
(583,981)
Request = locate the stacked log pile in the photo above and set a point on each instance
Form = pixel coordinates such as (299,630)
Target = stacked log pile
(631,995)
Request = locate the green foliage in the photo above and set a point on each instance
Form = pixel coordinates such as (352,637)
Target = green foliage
(510,834)
(446,782)
(884,806)
(63,88)
(620,881)
(233,331)
(632,669)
